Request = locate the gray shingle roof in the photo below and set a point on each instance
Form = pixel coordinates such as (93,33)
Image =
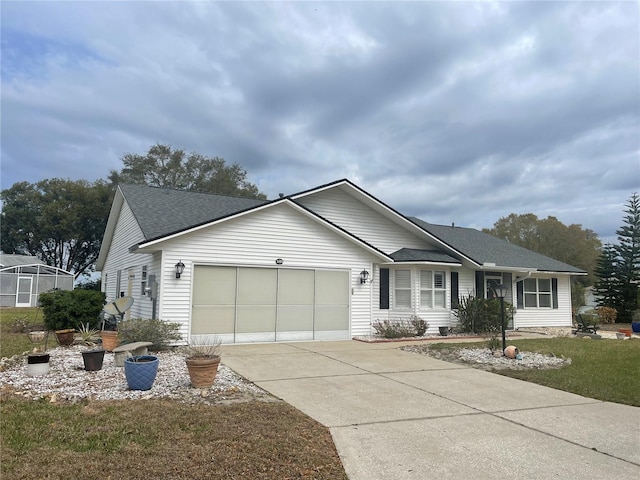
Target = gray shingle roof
(162,211)
(483,248)
(11,260)
(416,255)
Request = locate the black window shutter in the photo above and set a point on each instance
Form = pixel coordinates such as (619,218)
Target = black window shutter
(455,299)
(384,289)
(520,290)
(480,284)
(554,292)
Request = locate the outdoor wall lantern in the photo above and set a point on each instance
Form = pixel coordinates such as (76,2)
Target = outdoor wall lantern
(179,268)
(364,275)
(501,292)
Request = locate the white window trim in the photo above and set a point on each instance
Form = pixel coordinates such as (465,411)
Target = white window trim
(433,289)
(537,293)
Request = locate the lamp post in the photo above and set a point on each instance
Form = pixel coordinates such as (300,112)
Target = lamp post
(501,291)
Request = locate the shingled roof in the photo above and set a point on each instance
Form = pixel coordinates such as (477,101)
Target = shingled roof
(161,211)
(485,249)
(418,255)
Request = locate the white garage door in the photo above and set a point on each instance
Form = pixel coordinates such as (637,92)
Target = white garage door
(241,304)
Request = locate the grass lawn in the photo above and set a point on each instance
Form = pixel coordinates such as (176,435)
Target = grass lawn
(163,439)
(602,369)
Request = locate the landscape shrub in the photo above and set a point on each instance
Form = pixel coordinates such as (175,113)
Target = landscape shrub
(606,314)
(482,315)
(415,327)
(69,308)
(158,332)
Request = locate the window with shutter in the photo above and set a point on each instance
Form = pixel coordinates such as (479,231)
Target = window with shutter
(432,289)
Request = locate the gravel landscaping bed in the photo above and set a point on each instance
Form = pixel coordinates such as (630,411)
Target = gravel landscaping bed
(68,382)
(485,359)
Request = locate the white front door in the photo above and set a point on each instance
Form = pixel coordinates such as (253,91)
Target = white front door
(23,297)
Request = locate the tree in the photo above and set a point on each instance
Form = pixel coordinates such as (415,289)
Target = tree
(626,265)
(569,244)
(163,166)
(59,221)
(607,287)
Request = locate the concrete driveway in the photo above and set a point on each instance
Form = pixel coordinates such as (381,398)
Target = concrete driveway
(397,415)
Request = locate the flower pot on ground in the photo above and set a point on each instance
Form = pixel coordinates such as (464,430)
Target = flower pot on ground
(444,331)
(627,331)
(93,359)
(37,364)
(65,337)
(635,327)
(203,359)
(110,339)
(140,371)
(511,351)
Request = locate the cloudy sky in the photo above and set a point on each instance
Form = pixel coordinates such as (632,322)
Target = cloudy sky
(455,112)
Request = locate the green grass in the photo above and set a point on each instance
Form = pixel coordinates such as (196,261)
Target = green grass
(602,369)
(12,340)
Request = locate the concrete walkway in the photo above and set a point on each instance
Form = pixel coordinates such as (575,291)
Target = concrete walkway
(397,415)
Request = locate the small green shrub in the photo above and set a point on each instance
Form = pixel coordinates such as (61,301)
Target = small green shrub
(69,308)
(156,331)
(415,327)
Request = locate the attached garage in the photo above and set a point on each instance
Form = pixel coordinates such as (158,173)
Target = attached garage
(251,304)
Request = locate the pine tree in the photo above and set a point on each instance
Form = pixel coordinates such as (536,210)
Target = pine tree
(628,267)
(607,288)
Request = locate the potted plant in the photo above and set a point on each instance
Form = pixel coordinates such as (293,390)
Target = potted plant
(140,371)
(635,322)
(93,357)
(203,359)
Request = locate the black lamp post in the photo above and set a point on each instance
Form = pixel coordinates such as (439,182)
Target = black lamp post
(501,291)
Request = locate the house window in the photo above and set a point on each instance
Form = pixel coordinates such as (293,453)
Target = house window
(143,281)
(492,280)
(537,293)
(402,289)
(432,289)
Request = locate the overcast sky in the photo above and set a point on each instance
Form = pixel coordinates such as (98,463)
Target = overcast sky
(453,112)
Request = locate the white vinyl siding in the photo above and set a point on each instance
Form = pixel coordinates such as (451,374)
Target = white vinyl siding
(433,291)
(258,239)
(548,317)
(362,221)
(119,261)
(402,289)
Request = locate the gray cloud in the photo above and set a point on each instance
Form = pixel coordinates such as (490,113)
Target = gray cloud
(460,112)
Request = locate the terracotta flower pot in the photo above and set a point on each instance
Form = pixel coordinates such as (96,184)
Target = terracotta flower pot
(65,337)
(109,340)
(202,371)
(627,331)
(511,351)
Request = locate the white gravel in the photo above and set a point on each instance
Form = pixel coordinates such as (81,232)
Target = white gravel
(485,358)
(68,382)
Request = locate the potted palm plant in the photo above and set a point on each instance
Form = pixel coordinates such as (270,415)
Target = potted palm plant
(203,359)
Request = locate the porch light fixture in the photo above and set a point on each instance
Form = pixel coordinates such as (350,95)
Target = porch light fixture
(179,268)
(501,292)
(364,276)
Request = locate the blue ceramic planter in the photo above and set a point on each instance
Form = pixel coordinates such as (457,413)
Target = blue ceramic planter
(141,371)
(635,326)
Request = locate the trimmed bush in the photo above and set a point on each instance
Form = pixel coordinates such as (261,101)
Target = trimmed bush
(70,308)
(415,327)
(156,331)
